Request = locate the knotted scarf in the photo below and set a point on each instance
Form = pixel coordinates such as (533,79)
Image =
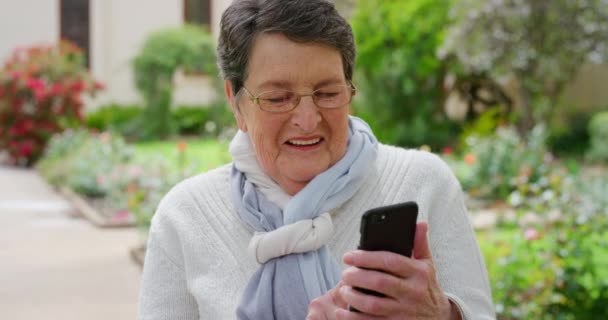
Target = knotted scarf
(290,233)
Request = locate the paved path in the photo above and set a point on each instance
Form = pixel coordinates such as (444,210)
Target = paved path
(54,266)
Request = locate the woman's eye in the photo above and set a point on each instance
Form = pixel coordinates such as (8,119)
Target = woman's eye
(277,99)
(326,94)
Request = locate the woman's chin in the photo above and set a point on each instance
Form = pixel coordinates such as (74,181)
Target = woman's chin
(299,178)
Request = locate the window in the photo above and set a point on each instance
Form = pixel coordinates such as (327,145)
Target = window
(198,12)
(74,24)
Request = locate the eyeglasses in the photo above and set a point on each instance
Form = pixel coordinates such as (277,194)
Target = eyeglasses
(328,97)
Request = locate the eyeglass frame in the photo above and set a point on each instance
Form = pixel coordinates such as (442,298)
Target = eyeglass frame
(256,98)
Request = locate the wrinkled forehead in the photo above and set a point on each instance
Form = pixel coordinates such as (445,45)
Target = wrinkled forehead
(277,61)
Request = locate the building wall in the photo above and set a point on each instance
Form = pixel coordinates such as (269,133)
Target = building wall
(119,30)
(27,22)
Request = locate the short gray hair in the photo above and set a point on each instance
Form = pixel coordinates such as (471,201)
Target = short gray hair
(315,21)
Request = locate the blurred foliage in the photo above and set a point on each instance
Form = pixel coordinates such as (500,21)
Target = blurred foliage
(209,121)
(568,134)
(549,262)
(139,186)
(80,160)
(504,158)
(398,73)
(188,48)
(114,117)
(598,131)
(539,43)
(213,120)
(484,125)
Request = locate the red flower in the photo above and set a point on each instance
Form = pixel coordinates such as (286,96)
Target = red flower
(34,84)
(26,148)
(40,94)
(78,86)
(56,89)
(470,159)
(447,151)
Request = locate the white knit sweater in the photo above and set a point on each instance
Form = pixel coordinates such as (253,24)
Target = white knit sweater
(197,262)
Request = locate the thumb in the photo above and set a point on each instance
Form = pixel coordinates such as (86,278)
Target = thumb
(421,242)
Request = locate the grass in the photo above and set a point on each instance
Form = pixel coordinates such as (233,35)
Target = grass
(204,154)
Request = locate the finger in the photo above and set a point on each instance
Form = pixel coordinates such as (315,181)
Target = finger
(385,261)
(368,304)
(378,281)
(421,244)
(316,310)
(342,314)
(335,295)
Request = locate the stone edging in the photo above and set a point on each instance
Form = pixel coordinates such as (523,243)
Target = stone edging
(90,213)
(138,254)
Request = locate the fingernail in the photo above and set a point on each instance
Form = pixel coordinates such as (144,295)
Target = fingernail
(343,290)
(348,258)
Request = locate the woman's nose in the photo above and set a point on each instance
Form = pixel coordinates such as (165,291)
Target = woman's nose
(306,115)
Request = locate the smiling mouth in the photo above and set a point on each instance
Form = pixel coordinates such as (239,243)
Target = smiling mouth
(304,143)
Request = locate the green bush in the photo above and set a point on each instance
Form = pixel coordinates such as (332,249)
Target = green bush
(188,48)
(113,117)
(398,73)
(598,131)
(569,136)
(202,120)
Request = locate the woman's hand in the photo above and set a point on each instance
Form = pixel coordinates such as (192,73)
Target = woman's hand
(410,286)
(326,306)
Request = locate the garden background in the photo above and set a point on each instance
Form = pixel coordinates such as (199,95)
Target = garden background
(508,93)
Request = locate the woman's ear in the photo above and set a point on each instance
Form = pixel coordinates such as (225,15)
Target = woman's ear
(234,106)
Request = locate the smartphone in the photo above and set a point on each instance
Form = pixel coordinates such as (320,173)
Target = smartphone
(389,228)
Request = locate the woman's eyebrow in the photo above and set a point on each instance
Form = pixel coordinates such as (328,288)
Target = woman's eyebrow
(283,84)
(328,81)
(275,84)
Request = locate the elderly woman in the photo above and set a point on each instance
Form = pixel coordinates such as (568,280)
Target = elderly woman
(271,235)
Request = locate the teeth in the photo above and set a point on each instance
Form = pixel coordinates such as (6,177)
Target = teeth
(305,142)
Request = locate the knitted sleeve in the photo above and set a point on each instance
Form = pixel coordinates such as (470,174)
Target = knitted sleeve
(164,292)
(458,261)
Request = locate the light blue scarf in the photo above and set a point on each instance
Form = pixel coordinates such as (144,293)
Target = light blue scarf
(283,287)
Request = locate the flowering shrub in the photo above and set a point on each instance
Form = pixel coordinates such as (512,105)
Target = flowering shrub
(139,187)
(501,160)
(41,90)
(549,261)
(81,160)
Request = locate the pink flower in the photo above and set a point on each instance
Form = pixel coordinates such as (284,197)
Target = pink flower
(531,234)
(99,85)
(34,84)
(121,215)
(39,94)
(105,137)
(101,180)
